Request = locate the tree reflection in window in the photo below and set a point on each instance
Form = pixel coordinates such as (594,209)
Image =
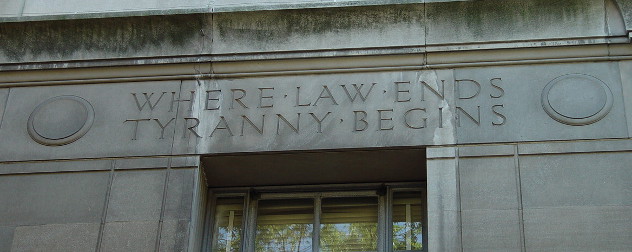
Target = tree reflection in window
(314,222)
(407,221)
(228,221)
(349,224)
(285,225)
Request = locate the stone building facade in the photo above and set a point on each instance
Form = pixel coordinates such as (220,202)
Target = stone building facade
(124,125)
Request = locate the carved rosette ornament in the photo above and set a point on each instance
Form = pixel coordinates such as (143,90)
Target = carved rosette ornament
(60,120)
(577,99)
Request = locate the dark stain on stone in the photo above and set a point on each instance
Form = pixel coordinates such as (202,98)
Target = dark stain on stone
(278,26)
(116,37)
(482,18)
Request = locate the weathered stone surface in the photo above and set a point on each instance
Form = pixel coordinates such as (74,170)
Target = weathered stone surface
(514,72)
(4,95)
(626,86)
(74,237)
(488,183)
(136,195)
(174,235)
(186,161)
(190,117)
(179,199)
(64,166)
(198,214)
(141,163)
(119,108)
(444,224)
(442,187)
(12,8)
(503,20)
(52,198)
(590,179)
(101,38)
(486,150)
(58,7)
(626,10)
(329,110)
(246,5)
(614,19)
(130,236)
(440,152)
(311,29)
(578,229)
(518,114)
(491,230)
(614,145)
(60,120)
(74,8)
(444,231)
(6,237)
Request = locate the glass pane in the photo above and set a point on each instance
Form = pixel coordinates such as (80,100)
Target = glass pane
(285,225)
(228,218)
(407,221)
(349,224)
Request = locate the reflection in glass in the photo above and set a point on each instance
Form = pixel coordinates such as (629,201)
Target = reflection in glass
(284,225)
(228,218)
(407,221)
(349,224)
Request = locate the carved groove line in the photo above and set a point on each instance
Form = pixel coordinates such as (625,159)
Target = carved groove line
(53,129)
(578,89)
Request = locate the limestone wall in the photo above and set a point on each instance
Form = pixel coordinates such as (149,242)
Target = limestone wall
(523,106)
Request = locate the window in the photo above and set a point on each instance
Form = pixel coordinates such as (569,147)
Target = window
(328,218)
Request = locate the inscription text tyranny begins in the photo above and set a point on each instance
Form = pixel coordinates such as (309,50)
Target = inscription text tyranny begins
(233,111)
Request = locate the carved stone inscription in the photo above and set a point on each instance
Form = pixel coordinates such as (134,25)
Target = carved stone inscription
(234,110)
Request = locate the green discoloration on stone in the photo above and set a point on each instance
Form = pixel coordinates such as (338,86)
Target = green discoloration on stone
(300,29)
(491,18)
(625,6)
(271,26)
(85,39)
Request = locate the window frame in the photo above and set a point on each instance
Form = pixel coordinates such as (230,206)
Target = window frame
(252,195)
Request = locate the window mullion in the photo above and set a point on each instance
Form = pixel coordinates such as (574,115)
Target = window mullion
(248,242)
(425,220)
(316,231)
(381,223)
(388,223)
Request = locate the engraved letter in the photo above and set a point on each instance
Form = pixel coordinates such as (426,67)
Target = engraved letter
(298,98)
(390,118)
(357,119)
(328,96)
(425,85)
(208,98)
(500,115)
(136,122)
(295,129)
(238,99)
(358,92)
(173,100)
(497,87)
(477,121)
(222,121)
(320,121)
(424,119)
(458,89)
(398,91)
(261,97)
(440,117)
(162,127)
(192,128)
(245,119)
(147,101)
